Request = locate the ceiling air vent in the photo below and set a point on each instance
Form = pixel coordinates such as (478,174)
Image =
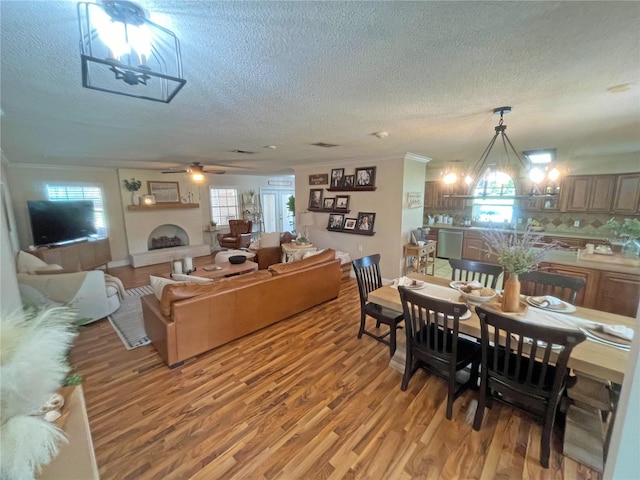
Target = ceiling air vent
(324,145)
(246,152)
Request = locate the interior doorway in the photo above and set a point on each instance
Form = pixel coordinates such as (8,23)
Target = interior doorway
(275,213)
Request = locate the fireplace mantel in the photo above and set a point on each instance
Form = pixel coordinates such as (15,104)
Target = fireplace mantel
(161,206)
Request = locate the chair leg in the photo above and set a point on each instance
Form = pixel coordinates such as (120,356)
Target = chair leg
(362,323)
(392,339)
(475,367)
(406,376)
(451,391)
(482,400)
(547,432)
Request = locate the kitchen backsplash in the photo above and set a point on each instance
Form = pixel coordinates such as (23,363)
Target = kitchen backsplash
(553,222)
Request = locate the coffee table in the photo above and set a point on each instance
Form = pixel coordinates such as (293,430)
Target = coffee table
(226,270)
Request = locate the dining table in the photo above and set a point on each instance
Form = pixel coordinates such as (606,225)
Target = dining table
(593,358)
(598,366)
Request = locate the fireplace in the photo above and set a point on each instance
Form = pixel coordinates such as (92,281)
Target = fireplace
(167,236)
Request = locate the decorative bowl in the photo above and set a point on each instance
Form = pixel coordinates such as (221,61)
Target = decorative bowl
(237,259)
(475,297)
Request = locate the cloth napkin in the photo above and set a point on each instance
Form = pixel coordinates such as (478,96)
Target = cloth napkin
(547,301)
(617,331)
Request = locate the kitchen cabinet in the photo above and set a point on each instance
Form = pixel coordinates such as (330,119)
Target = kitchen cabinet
(627,196)
(474,248)
(593,193)
(430,195)
(586,296)
(618,293)
(568,242)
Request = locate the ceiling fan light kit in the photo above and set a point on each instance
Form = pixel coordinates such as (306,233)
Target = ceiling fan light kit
(125,53)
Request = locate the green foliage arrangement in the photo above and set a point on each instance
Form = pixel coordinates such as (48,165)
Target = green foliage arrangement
(629,227)
(517,253)
(133,185)
(291,205)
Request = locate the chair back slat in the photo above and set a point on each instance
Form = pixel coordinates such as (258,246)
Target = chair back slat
(544,283)
(467,270)
(368,276)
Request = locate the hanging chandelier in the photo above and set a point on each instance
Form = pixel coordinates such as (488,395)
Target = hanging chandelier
(125,53)
(507,162)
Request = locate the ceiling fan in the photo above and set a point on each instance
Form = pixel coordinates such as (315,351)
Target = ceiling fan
(197,171)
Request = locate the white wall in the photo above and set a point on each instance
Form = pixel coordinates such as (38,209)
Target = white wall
(9,293)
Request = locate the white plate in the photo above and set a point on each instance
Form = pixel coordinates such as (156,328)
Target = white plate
(457,285)
(564,307)
(541,344)
(419,284)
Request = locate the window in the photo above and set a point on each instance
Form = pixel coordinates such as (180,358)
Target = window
(82,192)
(490,204)
(224,204)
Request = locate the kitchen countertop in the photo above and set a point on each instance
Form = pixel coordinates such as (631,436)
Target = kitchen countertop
(572,258)
(449,226)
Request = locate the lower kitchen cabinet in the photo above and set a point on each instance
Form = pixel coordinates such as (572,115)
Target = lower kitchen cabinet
(474,248)
(618,293)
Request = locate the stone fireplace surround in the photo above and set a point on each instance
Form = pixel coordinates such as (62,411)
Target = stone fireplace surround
(140,225)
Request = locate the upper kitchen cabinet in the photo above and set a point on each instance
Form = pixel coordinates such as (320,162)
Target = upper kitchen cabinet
(627,197)
(430,194)
(592,193)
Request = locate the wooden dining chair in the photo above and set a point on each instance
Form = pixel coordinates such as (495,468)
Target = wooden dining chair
(367,271)
(432,342)
(545,283)
(509,375)
(467,270)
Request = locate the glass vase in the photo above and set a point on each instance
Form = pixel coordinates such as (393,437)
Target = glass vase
(511,294)
(631,248)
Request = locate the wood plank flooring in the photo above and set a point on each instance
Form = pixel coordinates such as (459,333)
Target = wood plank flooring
(302,399)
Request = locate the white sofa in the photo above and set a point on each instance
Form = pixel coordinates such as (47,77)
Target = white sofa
(87,292)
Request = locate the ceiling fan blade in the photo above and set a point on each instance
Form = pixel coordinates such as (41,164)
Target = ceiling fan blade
(175,171)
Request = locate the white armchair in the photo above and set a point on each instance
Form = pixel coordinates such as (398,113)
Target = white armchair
(87,292)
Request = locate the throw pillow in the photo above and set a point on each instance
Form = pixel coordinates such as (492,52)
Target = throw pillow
(158,284)
(26,263)
(311,254)
(190,278)
(271,239)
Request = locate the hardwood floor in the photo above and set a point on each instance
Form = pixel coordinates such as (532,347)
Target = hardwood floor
(301,399)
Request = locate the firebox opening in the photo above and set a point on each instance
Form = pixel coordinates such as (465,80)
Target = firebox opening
(167,236)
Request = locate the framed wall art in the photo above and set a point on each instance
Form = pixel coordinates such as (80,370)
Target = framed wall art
(350,223)
(335,221)
(164,192)
(315,198)
(365,177)
(349,181)
(337,174)
(365,221)
(342,202)
(328,203)
(319,179)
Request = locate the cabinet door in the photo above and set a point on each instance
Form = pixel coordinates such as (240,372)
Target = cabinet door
(579,191)
(472,249)
(627,196)
(567,242)
(618,293)
(430,195)
(602,189)
(586,296)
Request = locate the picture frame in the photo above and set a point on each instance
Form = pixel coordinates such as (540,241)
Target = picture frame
(148,200)
(315,198)
(349,181)
(365,177)
(350,223)
(342,202)
(337,176)
(164,192)
(319,179)
(336,220)
(365,221)
(328,203)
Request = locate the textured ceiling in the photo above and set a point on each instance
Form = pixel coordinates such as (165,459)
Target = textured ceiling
(291,74)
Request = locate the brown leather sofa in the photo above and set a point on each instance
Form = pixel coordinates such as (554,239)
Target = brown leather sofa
(192,318)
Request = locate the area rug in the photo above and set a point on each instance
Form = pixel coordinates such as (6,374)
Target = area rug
(127,320)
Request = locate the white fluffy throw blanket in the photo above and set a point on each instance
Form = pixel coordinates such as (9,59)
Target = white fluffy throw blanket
(33,349)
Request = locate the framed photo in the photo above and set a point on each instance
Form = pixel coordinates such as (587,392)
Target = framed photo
(365,177)
(148,199)
(335,221)
(329,203)
(365,221)
(342,202)
(349,181)
(164,192)
(350,223)
(319,179)
(315,198)
(337,174)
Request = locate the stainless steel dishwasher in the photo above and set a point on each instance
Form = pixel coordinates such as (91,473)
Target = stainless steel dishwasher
(449,243)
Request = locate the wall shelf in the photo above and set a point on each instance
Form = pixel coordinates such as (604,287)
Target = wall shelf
(327,210)
(162,206)
(351,189)
(353,232)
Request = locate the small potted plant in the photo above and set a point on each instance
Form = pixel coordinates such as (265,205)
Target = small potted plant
(517,254)
(133,186)
(212,227)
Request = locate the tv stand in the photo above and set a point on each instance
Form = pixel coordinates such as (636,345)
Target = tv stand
(76,256)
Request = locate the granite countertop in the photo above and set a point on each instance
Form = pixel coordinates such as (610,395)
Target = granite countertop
(448,226)
(613,263)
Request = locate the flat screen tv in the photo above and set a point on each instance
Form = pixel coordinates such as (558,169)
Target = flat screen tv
(60,222)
